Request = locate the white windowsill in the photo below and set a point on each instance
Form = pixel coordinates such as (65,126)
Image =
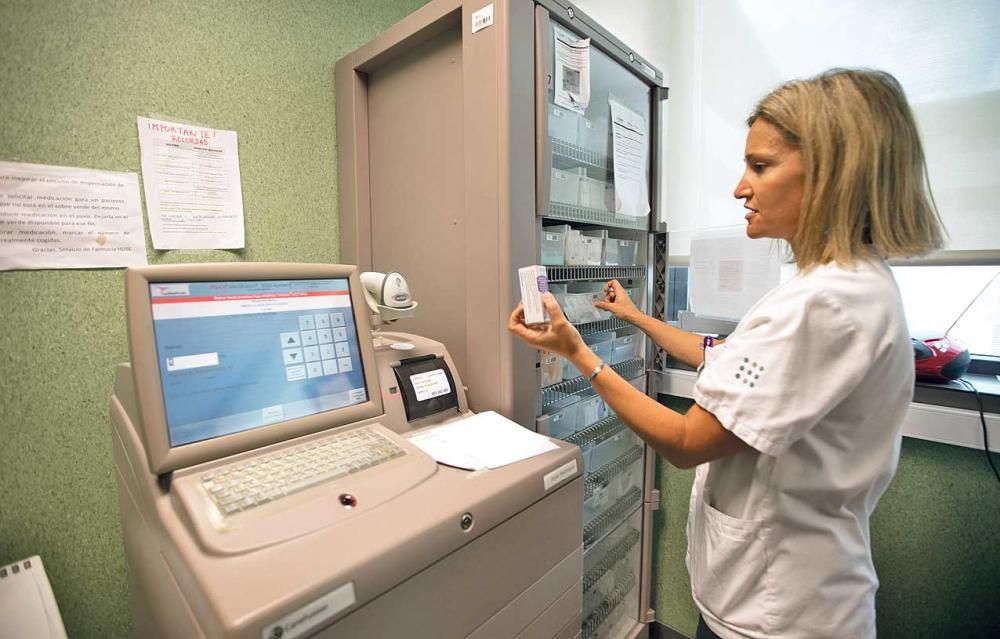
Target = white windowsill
(940,424)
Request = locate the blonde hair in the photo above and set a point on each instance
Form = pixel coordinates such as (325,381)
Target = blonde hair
(865,174)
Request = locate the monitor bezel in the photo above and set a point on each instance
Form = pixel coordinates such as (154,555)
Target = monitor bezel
(153,431)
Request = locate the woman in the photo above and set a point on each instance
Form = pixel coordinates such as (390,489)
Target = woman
(798,413)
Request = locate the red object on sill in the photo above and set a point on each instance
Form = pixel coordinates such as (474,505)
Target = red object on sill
(940,359)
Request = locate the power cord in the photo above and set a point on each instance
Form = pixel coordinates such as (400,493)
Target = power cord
(982,419)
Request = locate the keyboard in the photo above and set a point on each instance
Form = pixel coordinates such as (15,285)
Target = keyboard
(263,479)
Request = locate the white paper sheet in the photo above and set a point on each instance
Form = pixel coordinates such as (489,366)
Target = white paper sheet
(66,217)
(572,70)
(486,440)
(191,176)
(730,272)
(630,138)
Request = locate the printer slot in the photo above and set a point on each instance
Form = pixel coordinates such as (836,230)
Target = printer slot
(427,386)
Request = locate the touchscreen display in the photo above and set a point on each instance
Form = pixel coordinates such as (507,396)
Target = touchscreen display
(240,355)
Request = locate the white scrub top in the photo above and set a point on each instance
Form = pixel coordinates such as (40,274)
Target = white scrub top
(816,379)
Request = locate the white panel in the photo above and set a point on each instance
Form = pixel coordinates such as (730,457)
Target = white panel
(726,55)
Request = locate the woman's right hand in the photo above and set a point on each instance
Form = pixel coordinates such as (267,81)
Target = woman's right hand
(617,301)
(557,335)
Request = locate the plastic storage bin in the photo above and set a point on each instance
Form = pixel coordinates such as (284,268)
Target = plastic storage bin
(611,581)
(565,187)
(602,344)
(579,308)
(600,235)
(626,347)
(568,370)
(604,350)
(592,193)
(620,252)
(599,338)
(564,422)
(606,484)
(563,415)
(590,409)
(559,292)
(593,135)
(564,125)
(551,369)
(598,453)
(553,247)
(585,286)
(583,250)
(609,197)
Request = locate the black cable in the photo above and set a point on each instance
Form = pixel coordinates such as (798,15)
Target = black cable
(982,419)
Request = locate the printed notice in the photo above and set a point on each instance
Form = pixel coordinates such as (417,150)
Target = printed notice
(430,384)
(572,70)
(631,150)
(191,176)
(729,272)
(65,217)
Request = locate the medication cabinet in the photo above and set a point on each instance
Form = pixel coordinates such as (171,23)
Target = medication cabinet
(468,151)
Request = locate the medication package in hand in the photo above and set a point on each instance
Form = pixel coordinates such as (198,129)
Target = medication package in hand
(534,282)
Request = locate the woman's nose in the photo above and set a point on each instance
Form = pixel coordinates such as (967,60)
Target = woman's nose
(742,189)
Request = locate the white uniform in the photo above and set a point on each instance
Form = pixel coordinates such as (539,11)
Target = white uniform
(816,379)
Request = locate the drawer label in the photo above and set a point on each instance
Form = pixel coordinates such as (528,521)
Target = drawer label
(559,474)
(310,616)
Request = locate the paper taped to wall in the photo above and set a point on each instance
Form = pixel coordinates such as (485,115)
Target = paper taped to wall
(191,175)
(66,217)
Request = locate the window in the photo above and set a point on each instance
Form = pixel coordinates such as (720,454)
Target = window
(963,301)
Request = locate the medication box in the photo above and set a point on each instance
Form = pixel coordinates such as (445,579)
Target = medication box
(534,282)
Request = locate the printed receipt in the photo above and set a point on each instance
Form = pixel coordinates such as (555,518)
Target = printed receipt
(487,440)
(430,384)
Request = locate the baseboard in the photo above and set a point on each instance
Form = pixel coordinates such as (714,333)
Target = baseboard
(659,631)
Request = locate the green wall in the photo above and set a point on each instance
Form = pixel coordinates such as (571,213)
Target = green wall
(935,541)
(73,78)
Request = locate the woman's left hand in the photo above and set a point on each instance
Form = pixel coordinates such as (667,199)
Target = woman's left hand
(557,336)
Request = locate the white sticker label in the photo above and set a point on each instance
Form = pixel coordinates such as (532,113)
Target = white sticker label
(272,413)
(482,18)
(430,384)
(556,476)
(310,616)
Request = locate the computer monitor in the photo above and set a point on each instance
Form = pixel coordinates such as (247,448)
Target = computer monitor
(231,357)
